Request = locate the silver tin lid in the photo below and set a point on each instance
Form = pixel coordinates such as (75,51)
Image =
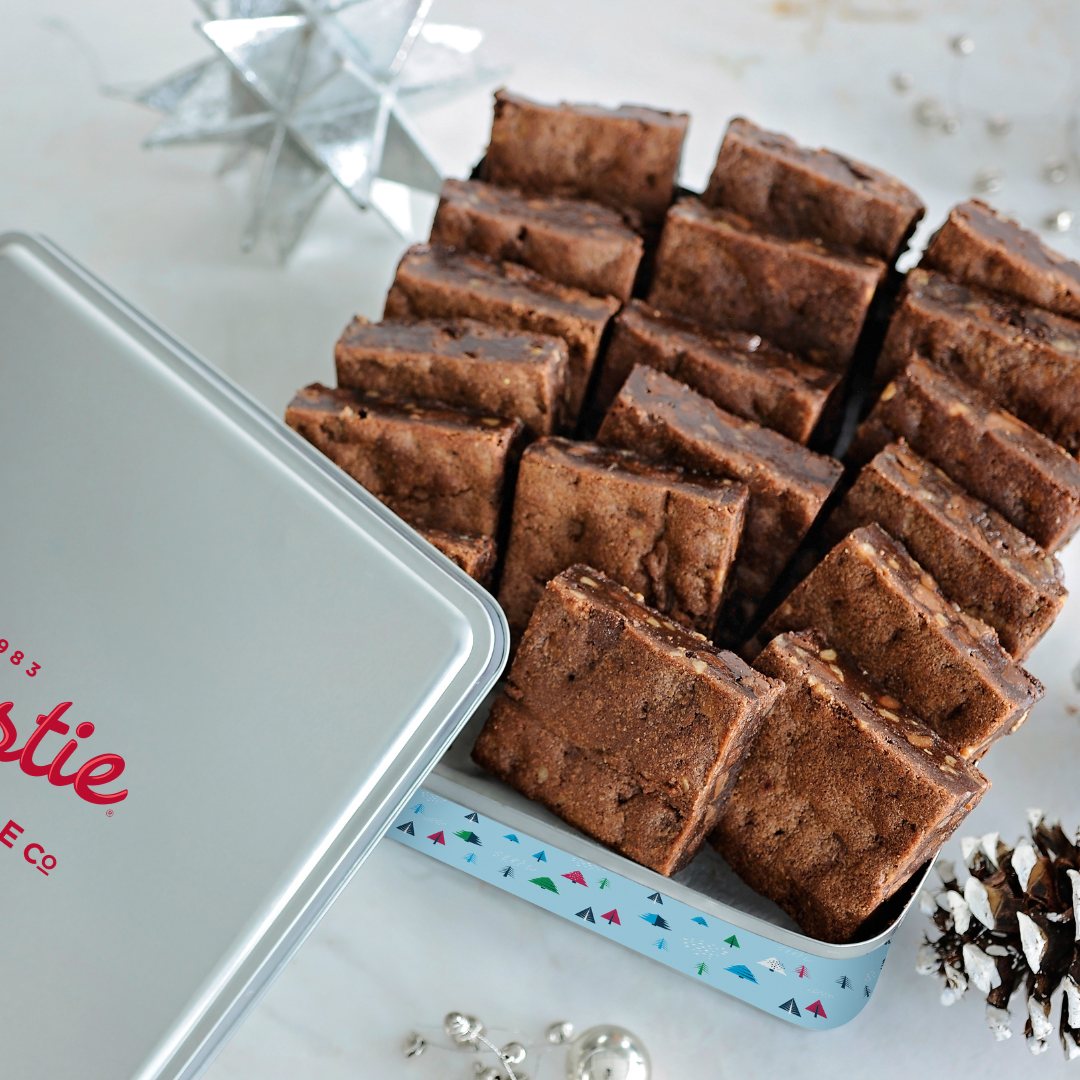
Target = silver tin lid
(269,659)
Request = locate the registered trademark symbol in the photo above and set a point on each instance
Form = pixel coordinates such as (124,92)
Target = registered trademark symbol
(108,813)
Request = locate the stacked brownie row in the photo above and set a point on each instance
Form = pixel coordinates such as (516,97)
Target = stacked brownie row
(618,382)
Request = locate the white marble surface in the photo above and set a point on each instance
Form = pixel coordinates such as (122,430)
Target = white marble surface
(410,939)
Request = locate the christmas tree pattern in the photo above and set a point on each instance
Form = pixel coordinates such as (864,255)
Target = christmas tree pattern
(791,1007)
(699,920)
(512,838)
(660,943)
(507,871)
(586,915)
(658,921)
(544,883)
(604,883)
(612,916)
(743,972)
(577,878)
(540,857)
(469,837)
(474,816)
(655,897)
(407,829)
(867,991)
(773,965)
(702,969)
(733,941)
(817,1010)
(437,837)
(844,983)
(471,857)
(418,808)
(802,972)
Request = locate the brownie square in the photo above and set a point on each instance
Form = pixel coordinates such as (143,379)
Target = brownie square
(844,794)
(475,555)
(791,190)
(739,371)
(436,468)
(981,561)
(668,535)
(668,422)
(624,724)
(871,599)
(434,282)
(461,362)
(802,295)
(624,157)
(1026,359)
(572,241)
(1031,481)
(979,246)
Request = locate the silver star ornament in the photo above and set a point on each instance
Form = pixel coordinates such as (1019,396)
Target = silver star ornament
(317,88)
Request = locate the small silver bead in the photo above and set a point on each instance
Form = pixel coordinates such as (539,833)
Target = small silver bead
(486,1072)
(998,124)
(902,82)
(514,1053)
(988,181)
(962,45)
(950,123)
(462,1029)
(415,1044)
(560,1032)
(928,112)
(1061,221)
(1055,171)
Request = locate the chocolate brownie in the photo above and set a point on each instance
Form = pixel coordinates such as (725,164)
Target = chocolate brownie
(572,241)
(624,157)
(668,535)
(668,422)
(624,724)
(871,599)
(434,282)
(1028,479)
(739,371)
(984,564)
(474,554)
(461,362)
(979,246)
(437,468)
(803,295)
(788,189)
(844,794)
(1026,359)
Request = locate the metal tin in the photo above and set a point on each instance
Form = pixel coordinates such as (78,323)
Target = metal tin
(703,922)
(272,659)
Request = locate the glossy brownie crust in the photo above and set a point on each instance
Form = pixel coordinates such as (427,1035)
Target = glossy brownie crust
(571,241)
(1026,359)
(739,371)
(844,794)
(460,362)
(979,246)
(871,599)
(715,267)
(666,421)
(984,564)
(624,724)
(438,469)
(624,158)
(475,555)
(437,283)
(1031,481)
(790,190)
(668,535)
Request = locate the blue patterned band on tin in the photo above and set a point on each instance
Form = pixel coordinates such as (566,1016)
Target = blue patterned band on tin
(810,991)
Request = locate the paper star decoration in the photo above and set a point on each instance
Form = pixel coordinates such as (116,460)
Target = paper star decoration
(317,87)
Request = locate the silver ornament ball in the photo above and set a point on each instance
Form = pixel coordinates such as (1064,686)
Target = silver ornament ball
(607,1052)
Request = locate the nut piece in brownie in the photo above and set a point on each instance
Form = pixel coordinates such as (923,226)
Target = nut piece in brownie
(738,370)
(715,267)
(1031,481)
(794,191)
(571,241)
(461,362)
(844,794)
(624,724)
(1026,359)
(434,282)
(984,564)
(979,246)
(871,599)
(437,468)
(625,158)
(668,422)
(668,535)
(474,554)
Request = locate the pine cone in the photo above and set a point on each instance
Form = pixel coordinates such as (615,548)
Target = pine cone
(1012,927)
